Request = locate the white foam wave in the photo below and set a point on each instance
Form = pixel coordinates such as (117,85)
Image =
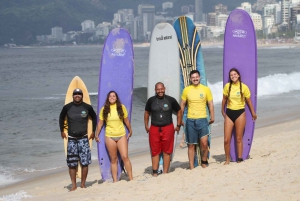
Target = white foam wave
(279,47)
(15,197)
(269,85)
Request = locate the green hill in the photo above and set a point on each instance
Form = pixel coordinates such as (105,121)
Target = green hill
(22,20)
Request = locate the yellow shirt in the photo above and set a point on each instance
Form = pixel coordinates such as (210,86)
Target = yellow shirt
(114,125)
(197,98)
(235,101)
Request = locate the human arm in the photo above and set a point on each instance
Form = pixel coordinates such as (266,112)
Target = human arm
(94,122)
(99,127)
(211,111)
(182,106)
(179,119)
(146,120)
(128,125)
(62,116)
(224,100)
(249,103)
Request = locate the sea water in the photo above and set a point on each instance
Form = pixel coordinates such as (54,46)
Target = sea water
(33,83)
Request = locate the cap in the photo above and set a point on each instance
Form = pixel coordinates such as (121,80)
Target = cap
(77,91)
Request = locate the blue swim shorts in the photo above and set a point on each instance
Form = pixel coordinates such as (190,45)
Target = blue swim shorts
(196,129)
(78,149)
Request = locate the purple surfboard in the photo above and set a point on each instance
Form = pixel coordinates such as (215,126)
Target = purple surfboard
(116,74)
(240,52)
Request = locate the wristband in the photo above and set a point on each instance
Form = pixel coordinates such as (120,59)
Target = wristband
(178,126)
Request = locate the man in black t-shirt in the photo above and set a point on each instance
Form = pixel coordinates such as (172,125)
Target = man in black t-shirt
(161,131)
(77,113)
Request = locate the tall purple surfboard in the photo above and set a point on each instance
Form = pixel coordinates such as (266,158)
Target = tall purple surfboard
(240,52)
(116,74)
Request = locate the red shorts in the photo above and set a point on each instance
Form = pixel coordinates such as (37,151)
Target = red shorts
(161,139)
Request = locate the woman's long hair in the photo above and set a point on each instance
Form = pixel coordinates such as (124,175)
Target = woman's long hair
(230,83)
(106,109)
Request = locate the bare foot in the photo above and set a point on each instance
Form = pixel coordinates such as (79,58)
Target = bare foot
(204,165)
(155,175)
(73,188)
(226,163)
(82,186)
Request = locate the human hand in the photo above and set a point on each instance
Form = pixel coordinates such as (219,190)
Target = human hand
(92,136)
(254,117)
(129,135)
(211,121)
(97,139)
(147,129)
(63,135)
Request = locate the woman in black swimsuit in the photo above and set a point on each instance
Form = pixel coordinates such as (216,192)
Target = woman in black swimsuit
(235,94)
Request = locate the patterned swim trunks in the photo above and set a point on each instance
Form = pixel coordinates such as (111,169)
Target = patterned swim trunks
(78,150)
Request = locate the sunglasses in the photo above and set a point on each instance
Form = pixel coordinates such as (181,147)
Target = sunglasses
(78,94)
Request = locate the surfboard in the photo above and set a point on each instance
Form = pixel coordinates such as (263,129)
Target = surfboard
(78,83)
(116,74)
(191,58)
(240,51)
(164,67)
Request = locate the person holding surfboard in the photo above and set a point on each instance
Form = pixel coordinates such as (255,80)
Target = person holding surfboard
(161,132)
(114,115)
(77,113)
(234,95)
(196,97)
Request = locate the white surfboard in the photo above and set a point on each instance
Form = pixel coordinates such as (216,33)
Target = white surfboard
(164,66)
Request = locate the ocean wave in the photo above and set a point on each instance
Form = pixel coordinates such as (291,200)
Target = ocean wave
(15,197)
(269,85)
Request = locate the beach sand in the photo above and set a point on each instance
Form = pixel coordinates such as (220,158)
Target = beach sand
(271,173)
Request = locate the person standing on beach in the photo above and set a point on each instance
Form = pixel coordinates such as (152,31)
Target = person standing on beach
(115,115)
(161,132)
(197,97)
(234,95)
(77,113)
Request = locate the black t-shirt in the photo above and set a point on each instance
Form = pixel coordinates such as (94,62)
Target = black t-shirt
(161,109)
(77,115)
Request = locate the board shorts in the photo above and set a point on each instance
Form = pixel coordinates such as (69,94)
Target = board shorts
(161,139)
(234,114)
(78,150)
(196,129)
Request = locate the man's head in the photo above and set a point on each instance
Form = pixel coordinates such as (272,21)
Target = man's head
(77,96)
(160,89)
(195,77)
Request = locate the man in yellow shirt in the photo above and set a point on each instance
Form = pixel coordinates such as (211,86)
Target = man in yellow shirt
(196,97)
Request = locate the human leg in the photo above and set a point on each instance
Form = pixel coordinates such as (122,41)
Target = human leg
(84,152)
(155,146)
(204,151)
(72,172)
(84,173)
(111,146)
(122,145)
(228,126)
(191,155)
(167,144)
(72,161)
(239,130)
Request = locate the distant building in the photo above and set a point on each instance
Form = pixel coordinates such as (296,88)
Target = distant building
(257,21)
(247,7)
(211,19)
(198,10)
(295,11)
(221,20)
(273,10)
(167,5)
(221,9)
(87,24)
(260,4)
(285,12)
(187,9)
(57,33)
(147,13)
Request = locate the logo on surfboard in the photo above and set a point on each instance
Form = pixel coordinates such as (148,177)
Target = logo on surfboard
(239,33)
(118,52)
